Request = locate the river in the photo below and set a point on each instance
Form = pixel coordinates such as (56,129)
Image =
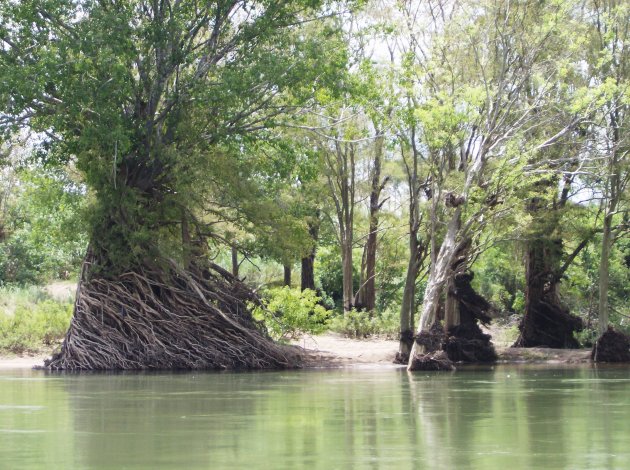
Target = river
(502,417)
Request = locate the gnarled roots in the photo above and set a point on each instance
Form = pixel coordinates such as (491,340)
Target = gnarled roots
(167,318)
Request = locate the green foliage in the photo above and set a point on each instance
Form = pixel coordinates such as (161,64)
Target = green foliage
(329,272)
(362,324)
(31,321)
(499,277)
(288,313)
(45,236)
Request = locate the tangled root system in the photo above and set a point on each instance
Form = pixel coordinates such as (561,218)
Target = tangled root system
(466,342)
(167,318)
(548,324)
(436,360)
(612,346)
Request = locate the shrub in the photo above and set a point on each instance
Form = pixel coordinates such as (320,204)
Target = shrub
(34,327)
(287,313)
(361,324)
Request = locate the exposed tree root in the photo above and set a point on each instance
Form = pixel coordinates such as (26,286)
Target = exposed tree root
(432,356)
(436,360)
(406,342)
(466,342)
(612,346)
(549,325)
(167,318)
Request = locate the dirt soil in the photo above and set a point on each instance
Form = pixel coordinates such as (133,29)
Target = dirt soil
(334,350)
(22,362)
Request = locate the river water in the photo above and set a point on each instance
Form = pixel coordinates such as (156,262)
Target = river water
(503,417)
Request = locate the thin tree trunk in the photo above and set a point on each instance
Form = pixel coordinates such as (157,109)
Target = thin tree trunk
(607,240)
(235,264)
(287,275)
(307,274)
(604,274)
(408,307)
(368,285)
(348,289)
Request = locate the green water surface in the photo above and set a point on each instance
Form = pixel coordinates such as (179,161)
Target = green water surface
(494,418)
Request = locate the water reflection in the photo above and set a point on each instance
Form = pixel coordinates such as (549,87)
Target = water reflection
(492,418)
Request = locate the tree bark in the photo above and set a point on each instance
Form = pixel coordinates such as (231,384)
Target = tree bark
(408,306)
(451,306)
(287,275)
(435,284)
(307,274)
(235,264)
(604,275)
(367,294)
(546,322)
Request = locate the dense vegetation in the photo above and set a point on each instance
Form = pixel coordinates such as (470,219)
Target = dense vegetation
(419,163)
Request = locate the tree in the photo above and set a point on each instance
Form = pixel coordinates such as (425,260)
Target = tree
(150,98)
(609,59)
(481,76)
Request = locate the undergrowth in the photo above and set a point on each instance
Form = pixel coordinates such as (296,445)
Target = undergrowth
(30,320)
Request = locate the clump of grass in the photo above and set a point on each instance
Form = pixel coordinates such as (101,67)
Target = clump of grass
(30,321)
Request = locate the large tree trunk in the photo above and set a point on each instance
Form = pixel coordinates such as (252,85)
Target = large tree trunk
(464,310)
(136,308)
(546,322)
(438,276)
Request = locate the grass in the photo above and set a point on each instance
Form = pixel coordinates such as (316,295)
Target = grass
(31,320)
